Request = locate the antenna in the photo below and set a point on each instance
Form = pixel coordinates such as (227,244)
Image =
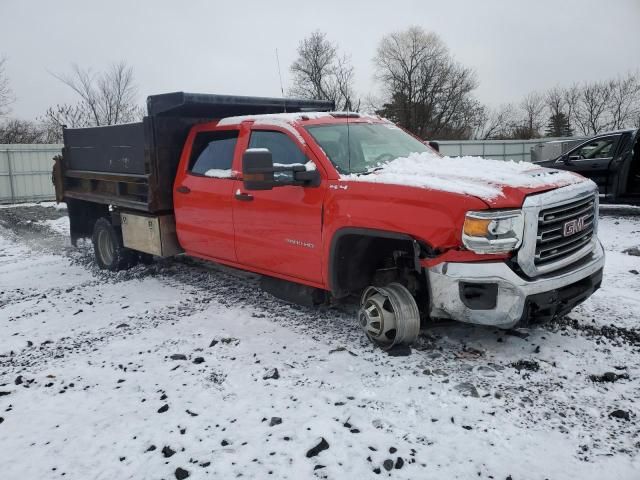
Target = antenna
(281,85)
(347,106)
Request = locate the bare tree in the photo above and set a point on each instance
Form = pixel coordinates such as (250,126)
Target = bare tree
(533,107)
(105,98)
(21,131)
(345,97)
(321,73)
(371,103)
(497,123)
(624,101)
(555,101)
(6,94)
(427,91)
(591,107)
(72,116)
(591,112)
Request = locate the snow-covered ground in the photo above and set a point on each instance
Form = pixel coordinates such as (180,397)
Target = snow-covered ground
(171,366)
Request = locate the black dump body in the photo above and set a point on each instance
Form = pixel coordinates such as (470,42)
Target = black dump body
(133,166)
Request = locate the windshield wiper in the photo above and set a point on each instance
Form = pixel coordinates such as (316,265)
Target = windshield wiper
(370,171)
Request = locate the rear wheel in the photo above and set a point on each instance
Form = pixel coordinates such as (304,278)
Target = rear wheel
(389,315)
(109,251)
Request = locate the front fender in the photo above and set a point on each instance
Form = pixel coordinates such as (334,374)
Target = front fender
(430,217)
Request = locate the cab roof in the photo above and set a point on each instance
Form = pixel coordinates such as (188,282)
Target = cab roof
(302,118)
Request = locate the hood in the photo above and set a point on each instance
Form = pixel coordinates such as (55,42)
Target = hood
(500,184)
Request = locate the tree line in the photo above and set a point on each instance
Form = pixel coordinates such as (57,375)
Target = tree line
(109,97)
(420,86)
(425,90)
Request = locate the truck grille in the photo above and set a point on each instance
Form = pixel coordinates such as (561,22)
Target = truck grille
(563,230)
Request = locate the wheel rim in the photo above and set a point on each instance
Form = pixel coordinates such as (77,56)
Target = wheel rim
(389,316)
(105,247)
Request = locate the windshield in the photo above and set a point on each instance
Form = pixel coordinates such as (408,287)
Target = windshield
(370,145)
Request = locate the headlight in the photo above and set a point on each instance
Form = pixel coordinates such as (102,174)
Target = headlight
(493,231)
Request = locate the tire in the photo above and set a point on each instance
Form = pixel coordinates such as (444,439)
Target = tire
(109,251)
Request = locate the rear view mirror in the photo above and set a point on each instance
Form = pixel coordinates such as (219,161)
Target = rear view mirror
(258,172)
(307,178)
(257,169)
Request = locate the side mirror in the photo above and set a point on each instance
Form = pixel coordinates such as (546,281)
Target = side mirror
(434,145)
(257,169)
(306,178)
(258,172)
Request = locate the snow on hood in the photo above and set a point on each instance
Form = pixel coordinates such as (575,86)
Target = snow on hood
(476,176)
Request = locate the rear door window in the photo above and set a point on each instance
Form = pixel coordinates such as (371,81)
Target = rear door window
(212,153)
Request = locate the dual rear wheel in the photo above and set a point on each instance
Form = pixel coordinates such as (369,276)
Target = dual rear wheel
(110,253)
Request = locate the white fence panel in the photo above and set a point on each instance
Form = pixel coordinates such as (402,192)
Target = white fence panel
(25,172)
(495,149)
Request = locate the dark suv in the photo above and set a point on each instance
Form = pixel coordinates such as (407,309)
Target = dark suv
(612,160)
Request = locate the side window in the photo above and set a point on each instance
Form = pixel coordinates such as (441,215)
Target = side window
(283,150)
(599,148)
(212,153)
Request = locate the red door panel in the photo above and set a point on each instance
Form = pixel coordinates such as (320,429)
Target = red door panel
(280,230)
(204,219)
(203,196)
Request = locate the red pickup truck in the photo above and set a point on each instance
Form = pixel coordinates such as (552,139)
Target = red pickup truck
(330,204)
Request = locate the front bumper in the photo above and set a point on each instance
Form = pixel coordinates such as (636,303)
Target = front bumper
(518,299)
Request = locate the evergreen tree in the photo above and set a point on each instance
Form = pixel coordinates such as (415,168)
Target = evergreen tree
(559,126)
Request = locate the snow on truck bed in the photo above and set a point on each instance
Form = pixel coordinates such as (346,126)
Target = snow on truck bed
(184,367)
(466,175)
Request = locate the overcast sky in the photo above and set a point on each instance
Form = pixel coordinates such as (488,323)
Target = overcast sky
(229,47)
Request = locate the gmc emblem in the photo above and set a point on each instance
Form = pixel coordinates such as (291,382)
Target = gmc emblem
(574,226)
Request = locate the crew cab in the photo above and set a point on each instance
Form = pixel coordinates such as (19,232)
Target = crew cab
(326,205)
(611,160)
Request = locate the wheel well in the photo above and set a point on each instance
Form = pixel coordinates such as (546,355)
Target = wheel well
(361,257)
(83,216)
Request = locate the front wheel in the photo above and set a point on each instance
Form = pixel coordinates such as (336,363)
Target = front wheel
(389,315)
(109,251)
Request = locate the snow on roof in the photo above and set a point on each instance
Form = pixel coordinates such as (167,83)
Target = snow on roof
(286,120)
(296,117)
(282,120)
(476,176)
(269,117)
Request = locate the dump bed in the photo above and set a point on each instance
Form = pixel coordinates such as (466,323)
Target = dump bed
(133,166)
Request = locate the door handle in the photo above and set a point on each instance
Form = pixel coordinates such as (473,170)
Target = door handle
(183,189)
(244,197)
